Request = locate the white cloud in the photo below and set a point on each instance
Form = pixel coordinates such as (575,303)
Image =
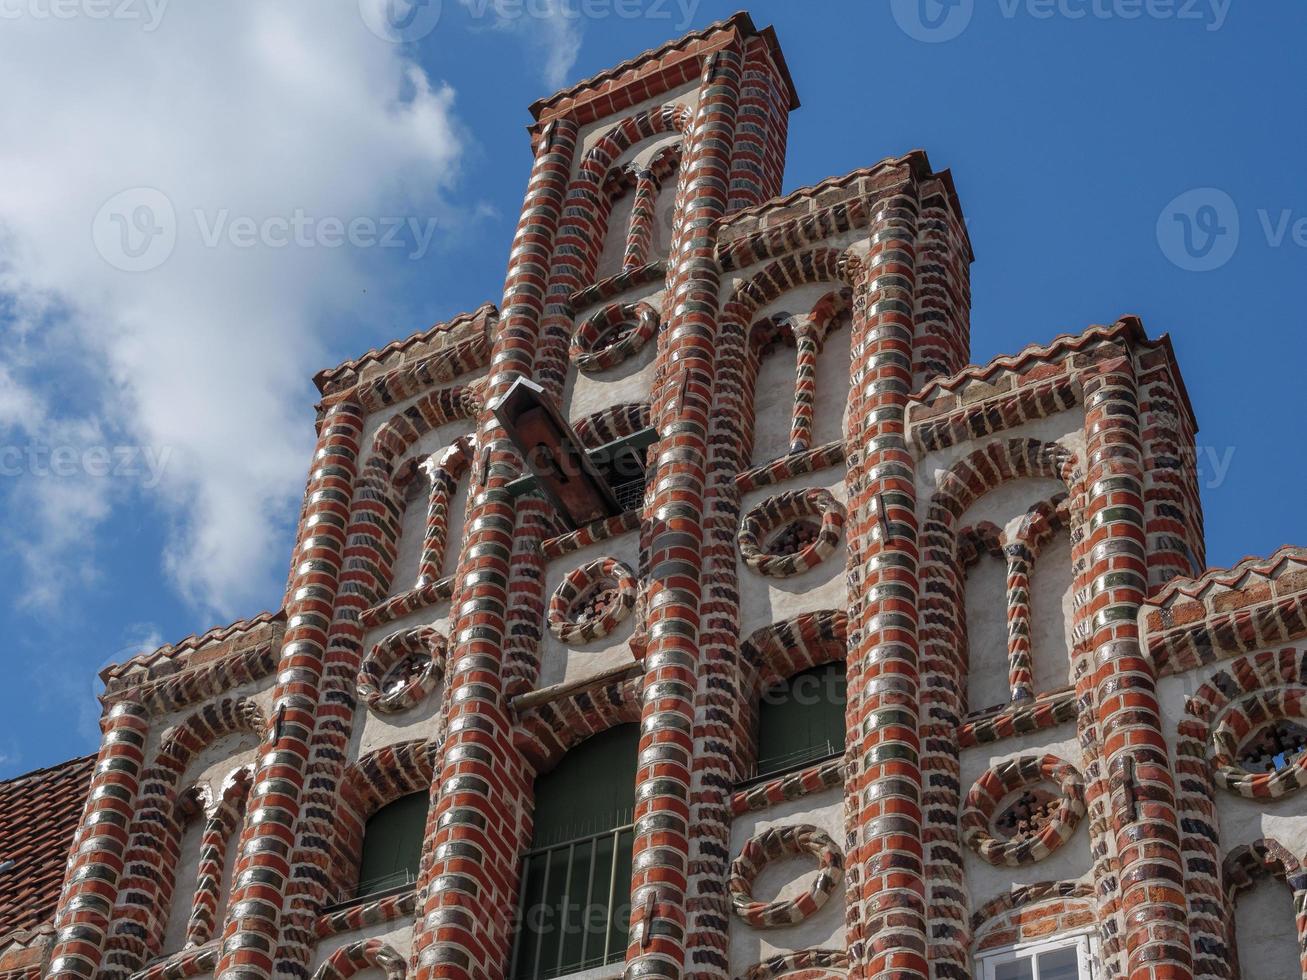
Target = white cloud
(551,28)
(239,109)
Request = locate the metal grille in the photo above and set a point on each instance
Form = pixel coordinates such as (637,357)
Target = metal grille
(779,765)
(574,913)
(630,496)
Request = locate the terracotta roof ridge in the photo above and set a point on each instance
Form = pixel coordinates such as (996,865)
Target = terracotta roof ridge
(192,642)
(1059,345)
(1229,576)
(826,183)
(378,354)
(67,764)
(739,20)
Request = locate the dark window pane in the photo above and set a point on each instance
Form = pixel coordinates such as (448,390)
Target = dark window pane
(392,845)
(576,881)
(802,720)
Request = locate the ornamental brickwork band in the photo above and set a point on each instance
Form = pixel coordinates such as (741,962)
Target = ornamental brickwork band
(700,611)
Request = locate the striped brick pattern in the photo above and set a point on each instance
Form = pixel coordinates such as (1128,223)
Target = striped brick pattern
(99,854)
(1156,938)
(672,526)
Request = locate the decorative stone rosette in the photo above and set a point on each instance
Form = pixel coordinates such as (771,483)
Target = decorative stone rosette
(1000,782)
(1244,719)
(602,574)
(591,352)
(775,514)
(780,842)
(396,649)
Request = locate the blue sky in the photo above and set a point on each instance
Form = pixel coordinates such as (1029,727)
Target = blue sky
(156,408)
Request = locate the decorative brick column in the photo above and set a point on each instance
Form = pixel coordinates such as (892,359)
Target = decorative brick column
(263,866)
(807,343)
(1020,662)
(887,915)
(467,890)
(1142,804)
(674,529)
(639,236)
(96,864)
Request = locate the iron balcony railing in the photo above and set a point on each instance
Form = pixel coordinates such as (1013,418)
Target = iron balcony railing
(779,765)
(574,909)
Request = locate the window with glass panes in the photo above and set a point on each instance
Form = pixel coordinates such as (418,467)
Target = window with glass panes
(801,720)
(392,845)
(1057,958)
(576,879)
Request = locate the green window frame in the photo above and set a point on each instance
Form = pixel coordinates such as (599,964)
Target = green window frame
(392,845)
(573,911)
(801,720)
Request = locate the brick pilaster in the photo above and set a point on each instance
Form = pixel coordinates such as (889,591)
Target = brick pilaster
(91,885)
(468,887)
(1142,803)
(887,918)
(263,866)
(674,528)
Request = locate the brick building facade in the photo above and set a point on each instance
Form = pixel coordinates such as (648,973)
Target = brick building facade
(759,635)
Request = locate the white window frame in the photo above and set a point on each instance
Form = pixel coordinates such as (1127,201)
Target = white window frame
(1085,943)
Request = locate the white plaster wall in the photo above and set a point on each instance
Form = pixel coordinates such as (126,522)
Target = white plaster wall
(1070,862)
(986,590)
(614,247)
(774,390)
(397,934)
(787,879)
(372,730)
(413,533)
(1052,614)
(630,381)
(210,769)
(570,663)
(610,259)
(379,418)
(773,405)
(765,600)
(986,600)
(184,884)
(1065,428)
(1241,821)
(1265,932)
(831,406)
(412,536)
(687,95)
(259,691)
